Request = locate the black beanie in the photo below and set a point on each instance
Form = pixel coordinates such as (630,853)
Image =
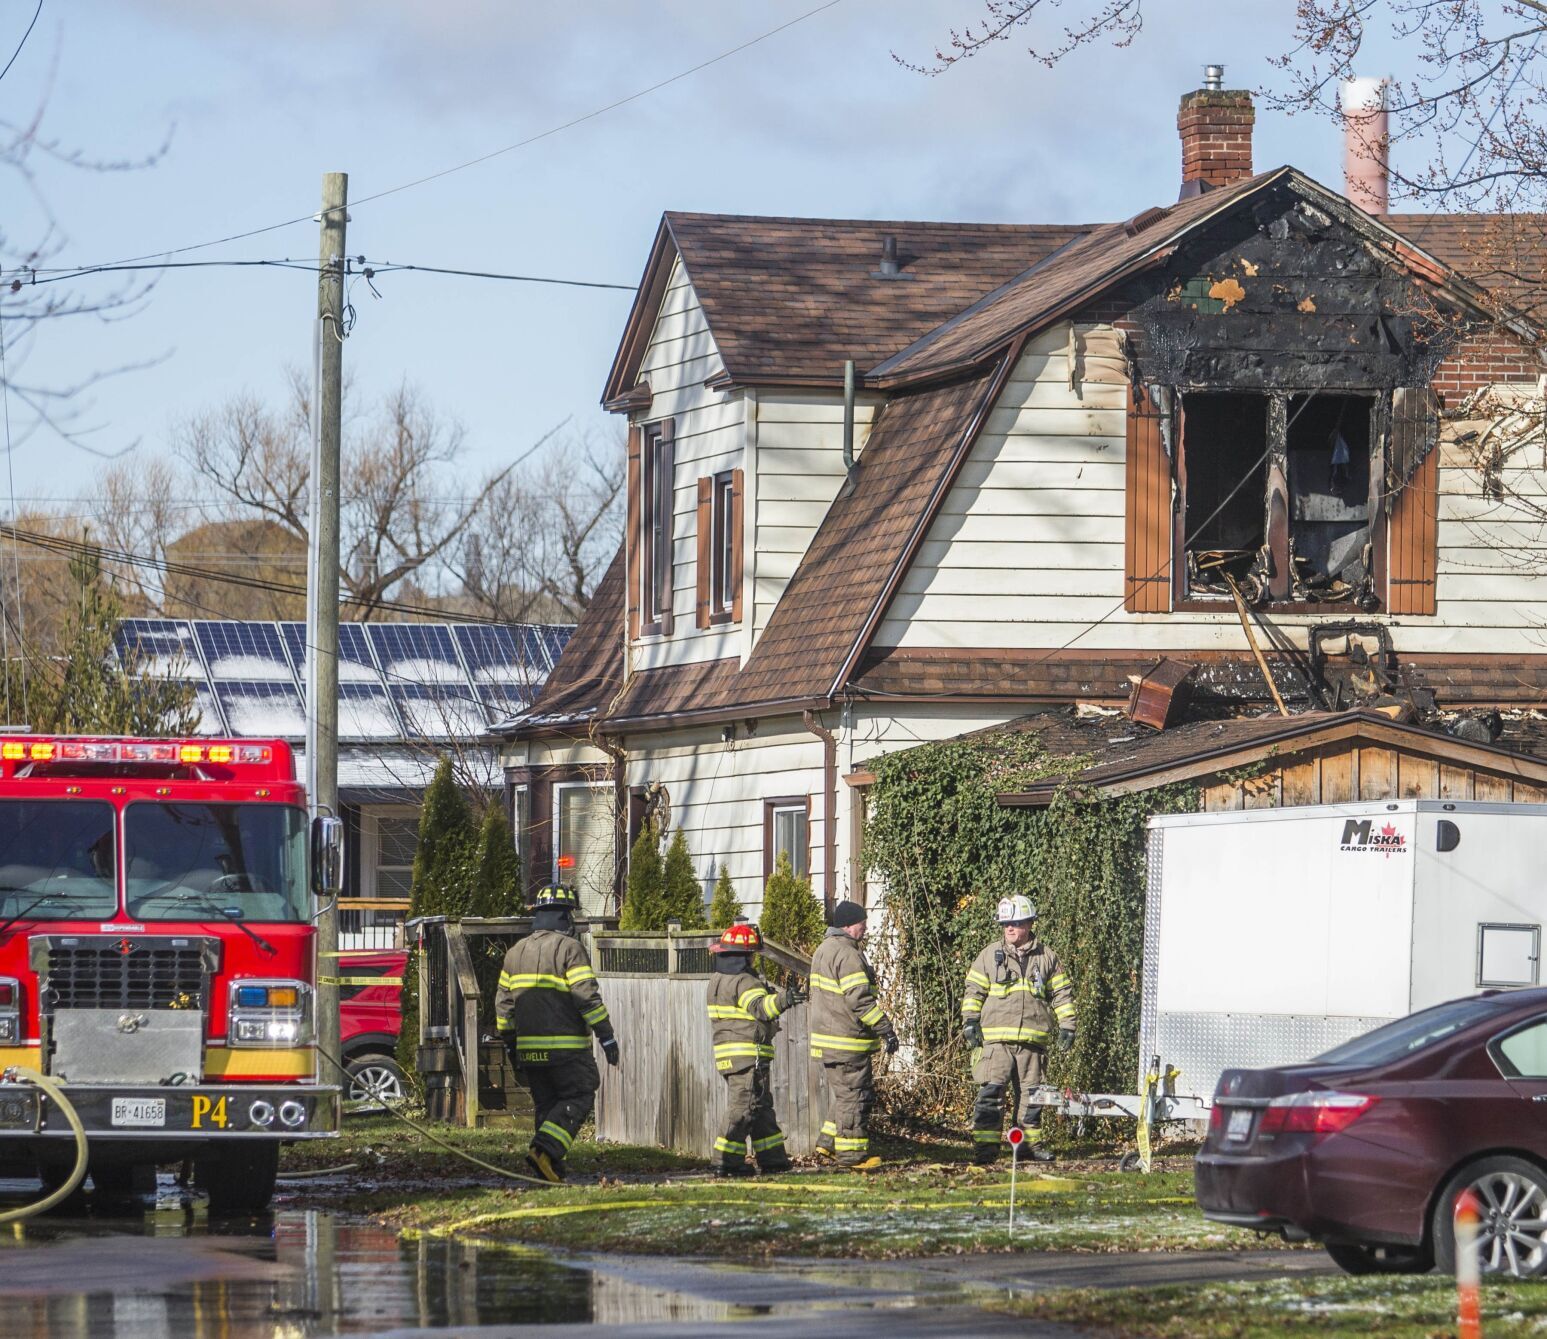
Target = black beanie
(846,914)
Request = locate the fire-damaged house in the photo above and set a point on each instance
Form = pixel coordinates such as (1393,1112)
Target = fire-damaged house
(1134,484)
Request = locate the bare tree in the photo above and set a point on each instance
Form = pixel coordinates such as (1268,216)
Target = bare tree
(537,550)
(404,506)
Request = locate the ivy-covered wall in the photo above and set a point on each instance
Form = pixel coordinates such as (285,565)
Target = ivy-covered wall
(947,852)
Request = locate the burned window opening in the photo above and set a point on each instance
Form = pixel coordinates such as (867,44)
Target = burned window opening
(1328,451)
(1222,512)
(1276,496)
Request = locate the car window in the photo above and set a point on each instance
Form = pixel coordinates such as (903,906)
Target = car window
(1413,1033)
(1523,1054)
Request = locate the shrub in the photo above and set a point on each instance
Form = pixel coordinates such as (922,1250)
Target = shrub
(724,909)
(682,896)
(792,917)
(644,903)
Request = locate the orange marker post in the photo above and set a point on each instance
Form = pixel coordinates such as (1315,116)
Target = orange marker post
(1017,1136)
(1468,1274)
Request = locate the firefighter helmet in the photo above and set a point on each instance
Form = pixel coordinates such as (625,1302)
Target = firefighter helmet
(559,895)
(741,937)
(1017,908)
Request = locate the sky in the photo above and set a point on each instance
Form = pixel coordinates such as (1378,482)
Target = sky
(255,102)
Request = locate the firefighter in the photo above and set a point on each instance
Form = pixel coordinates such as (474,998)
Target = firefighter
(547,1007)
(847,1028)
(744,1014)
(1017,996)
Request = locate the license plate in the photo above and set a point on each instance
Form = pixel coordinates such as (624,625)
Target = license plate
(1240,1125)
(140,1111)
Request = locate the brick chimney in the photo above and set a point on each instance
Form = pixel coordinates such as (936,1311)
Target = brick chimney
(1215,124)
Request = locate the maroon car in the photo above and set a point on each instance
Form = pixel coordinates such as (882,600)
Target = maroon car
(1366,1148)
(370,1017)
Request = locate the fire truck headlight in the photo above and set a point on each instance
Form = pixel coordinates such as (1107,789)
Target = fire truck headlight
(270,1013)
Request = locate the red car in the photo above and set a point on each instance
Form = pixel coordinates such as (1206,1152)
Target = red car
(1366,1148)
(370,1017)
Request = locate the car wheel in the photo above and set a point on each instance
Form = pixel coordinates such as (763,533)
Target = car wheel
(1512,1236)
(1356,1258)
(376,1080)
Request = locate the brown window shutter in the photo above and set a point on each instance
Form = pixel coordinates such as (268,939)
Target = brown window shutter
(631,535)
(705,548)
(1147,508)
(1412,550)
(738,489)
(668,468)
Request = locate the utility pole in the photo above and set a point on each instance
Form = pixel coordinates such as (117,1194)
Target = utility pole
(322,580)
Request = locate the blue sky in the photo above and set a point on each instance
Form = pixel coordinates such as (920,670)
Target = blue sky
(262,99)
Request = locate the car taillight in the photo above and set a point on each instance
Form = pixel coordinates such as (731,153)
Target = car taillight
(1314,1113)
(1216,1118)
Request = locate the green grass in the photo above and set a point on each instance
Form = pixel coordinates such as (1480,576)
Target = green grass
(1332,1307)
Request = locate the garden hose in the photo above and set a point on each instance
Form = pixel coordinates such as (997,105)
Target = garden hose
(436,1139)
(78,1174)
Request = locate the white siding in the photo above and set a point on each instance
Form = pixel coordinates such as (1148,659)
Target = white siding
(1027,552)
(799,472)
(717,791)
(710,438)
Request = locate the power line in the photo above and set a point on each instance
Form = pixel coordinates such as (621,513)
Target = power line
(311,215)
(388,267)
(23,41)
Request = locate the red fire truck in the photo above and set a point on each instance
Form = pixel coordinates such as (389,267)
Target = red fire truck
(158,958)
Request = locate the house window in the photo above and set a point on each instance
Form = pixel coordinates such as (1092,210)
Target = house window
(374,920)
(655,528)
(786,831)
(520,816)
(1276,498)
(583,842)
(722,547)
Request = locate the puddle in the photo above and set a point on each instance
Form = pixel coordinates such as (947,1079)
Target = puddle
(156,1273)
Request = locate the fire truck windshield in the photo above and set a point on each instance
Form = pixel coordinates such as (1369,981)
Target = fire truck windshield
(57,859)
(192,862)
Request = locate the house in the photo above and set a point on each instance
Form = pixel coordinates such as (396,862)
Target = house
(1236,444)
(409,694)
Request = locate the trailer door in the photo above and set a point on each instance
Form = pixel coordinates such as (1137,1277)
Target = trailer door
(1479,902)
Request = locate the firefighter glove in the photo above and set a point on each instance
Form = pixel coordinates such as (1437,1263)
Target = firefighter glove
(892,1043)
(1065,1038)
(972,1030)
(791,996)
(610,1050)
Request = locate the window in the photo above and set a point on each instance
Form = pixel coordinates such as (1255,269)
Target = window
(1392,1041)
(59,858)
(392,838)
(583,854)
(719,548)
(655,503)
(1275,498)
(1508,955)
(520,816)
(1523,1054)
(786,831)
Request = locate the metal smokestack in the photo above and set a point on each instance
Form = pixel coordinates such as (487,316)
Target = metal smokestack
(1366,144)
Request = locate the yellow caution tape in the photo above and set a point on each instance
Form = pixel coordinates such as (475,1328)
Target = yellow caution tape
(359,981)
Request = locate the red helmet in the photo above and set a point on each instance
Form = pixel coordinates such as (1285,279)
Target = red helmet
(742,937)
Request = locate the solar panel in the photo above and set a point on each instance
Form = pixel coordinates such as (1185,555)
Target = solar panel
(416,652)
(439,711)
(262,709)
(210,720)
(243,651)
(365,712)
(502,701)
(354,655)
(555,639)
(163,647)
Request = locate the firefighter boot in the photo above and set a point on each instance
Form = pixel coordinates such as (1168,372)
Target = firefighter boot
(546,1166)
(870,1164)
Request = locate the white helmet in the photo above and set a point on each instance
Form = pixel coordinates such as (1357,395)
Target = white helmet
(1016,908)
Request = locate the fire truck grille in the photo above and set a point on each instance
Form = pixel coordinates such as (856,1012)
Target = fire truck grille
(125,973)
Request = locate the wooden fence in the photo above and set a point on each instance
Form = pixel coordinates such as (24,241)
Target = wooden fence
(665,1093)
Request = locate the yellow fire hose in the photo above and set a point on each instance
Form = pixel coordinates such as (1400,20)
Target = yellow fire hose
(56,1095)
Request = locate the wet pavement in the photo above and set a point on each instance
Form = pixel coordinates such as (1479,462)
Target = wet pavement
(164,1269)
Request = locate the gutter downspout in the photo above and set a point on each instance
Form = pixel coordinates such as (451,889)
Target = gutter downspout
(829,807)
(848,416)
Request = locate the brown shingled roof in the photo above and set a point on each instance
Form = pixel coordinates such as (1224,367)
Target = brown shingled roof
(788,300)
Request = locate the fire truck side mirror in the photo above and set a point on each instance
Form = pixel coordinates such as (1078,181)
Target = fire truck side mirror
(327,856)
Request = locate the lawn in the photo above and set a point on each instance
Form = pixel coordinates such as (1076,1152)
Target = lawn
(928,1201)
(1330,1307)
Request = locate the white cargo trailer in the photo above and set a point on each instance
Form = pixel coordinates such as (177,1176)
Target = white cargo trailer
(1272,935)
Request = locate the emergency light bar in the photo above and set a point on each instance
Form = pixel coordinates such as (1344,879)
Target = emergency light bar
(132,751)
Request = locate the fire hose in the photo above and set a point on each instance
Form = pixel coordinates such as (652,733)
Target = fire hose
(71,1183)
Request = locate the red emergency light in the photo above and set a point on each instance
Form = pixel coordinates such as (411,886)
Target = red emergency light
(134,751)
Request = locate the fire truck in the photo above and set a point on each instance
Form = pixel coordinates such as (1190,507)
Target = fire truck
(158,959)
